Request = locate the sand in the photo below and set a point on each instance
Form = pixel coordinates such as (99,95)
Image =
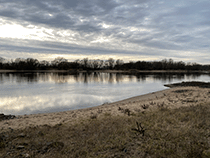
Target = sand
(169,98)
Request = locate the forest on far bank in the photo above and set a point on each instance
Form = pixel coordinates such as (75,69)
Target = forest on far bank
(61,63)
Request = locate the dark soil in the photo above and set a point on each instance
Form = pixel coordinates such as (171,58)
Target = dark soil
(190,84)
(6,117)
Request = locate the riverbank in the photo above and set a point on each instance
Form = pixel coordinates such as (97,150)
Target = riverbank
(169,98)
(168,123)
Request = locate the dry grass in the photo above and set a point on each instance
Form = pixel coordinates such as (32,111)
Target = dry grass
(183,132)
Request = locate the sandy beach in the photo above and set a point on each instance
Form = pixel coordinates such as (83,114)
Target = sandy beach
(170,98)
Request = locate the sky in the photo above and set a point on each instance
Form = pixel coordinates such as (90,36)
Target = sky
(130,30)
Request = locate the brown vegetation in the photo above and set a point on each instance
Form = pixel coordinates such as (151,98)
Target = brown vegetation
(181,132)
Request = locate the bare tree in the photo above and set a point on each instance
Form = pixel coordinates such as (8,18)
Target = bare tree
(58,60)
(111,62)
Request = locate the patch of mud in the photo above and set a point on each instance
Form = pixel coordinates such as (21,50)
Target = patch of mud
(189,84)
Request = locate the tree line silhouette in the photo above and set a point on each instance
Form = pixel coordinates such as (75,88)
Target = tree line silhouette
(61,63)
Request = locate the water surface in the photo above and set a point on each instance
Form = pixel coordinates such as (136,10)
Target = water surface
(30,93)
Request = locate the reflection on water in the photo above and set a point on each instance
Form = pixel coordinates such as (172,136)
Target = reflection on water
(95,77)
(29,93)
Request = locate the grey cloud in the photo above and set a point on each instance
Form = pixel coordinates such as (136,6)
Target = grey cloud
(171,25)
(55,21)
(87,28)
(107,5)
(194,8)
(71,4)
(182,38)
(36,12)
(89,8)
(6,13)
(34,46)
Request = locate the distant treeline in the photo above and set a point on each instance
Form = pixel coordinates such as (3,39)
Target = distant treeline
(61,63)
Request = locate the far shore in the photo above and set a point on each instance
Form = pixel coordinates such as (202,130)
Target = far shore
(131,71)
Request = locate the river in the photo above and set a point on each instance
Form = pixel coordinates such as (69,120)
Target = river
(32,93)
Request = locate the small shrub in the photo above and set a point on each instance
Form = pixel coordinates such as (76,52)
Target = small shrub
(93,116)
(145,106)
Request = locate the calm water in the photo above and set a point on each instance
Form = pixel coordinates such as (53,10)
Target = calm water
(30,93)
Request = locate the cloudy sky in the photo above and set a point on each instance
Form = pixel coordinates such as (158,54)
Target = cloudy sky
(122,29)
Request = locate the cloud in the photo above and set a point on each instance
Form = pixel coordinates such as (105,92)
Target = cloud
(127,27)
